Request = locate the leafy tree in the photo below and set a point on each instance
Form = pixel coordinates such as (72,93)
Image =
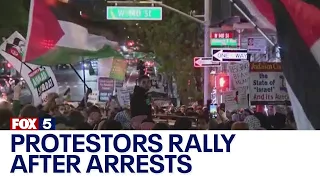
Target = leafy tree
(13,17)
(175,40)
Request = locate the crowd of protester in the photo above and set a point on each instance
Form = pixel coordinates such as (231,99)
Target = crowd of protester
(142,114)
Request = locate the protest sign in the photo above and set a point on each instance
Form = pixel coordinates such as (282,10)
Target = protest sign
(239,75)
(257,45)
(119,84)
(112,68)
(267,84)
(235,99)
(158,84)
(123,95)
(105,88)
(40,79)
(93,97)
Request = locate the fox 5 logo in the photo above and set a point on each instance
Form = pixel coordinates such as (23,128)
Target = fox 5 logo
(32,124)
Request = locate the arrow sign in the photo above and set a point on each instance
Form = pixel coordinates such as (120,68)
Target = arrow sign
(204,62)
(227,55)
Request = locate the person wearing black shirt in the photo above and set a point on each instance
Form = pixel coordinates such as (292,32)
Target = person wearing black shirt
(140,103)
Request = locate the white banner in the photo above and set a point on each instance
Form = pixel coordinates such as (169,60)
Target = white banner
(235,100)
(40,79)
(93,97)
(239,75)
(267,84)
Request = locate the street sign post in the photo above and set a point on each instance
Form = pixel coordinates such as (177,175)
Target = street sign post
(224,42)
(134,13)
(227,55)
(205,62)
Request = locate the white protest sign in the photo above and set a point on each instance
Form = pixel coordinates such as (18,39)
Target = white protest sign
(40,79)
(235,100)
(158,84)
(93,97)
(123,95)
(267,84)
(257,45)
(239,75)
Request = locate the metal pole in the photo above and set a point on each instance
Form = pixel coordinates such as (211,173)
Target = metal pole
(159,3)
(207,49)
(84,83)
(74,69)
(114,87)
(182,13)
(251,21)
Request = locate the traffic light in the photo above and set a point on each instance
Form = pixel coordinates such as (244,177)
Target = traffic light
(223,82)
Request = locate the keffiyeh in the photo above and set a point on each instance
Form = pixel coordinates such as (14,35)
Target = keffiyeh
(253,122)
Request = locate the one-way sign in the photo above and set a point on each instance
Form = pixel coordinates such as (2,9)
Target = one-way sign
(227,55)
(204,62)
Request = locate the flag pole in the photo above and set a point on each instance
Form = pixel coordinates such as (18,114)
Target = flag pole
(253,23)
(84,83)
(74,69)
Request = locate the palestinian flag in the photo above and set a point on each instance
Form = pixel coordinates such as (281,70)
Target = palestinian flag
(297,24)
(298,29)
(57,34)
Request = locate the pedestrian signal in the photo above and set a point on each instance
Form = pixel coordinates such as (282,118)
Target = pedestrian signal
(223,82)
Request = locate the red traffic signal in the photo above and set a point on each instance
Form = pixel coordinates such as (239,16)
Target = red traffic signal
(223,82)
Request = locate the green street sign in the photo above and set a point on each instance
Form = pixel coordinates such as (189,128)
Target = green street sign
(224,42)
(134,13)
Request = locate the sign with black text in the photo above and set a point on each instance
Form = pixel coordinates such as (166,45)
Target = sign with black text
(227,55)
(267,84)
(257,45)
(239,75)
